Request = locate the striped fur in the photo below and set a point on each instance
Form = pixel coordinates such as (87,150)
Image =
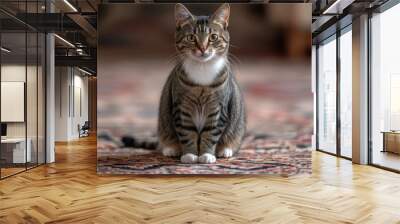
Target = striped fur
(201,108)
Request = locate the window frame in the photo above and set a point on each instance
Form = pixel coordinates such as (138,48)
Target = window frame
(378,10)
(333,37)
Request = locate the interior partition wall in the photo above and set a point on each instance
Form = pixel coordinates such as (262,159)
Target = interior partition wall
(385,87)
(334,94)
(23,91)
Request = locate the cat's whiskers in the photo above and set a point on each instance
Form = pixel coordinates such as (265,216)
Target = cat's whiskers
(232,45)
(234,59)
(233,62)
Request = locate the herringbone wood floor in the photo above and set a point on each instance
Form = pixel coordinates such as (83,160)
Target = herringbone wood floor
(69,191)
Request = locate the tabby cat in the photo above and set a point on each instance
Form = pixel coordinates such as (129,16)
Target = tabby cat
(202,113)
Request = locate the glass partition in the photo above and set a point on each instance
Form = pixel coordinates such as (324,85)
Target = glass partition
(14,153)
(23,91)
(31,99)
(41,107)
(32,84)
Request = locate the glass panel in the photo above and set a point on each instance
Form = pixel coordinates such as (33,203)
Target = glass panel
(31,100)
(23,90)
(385,84)
(346,94)
(13,89)
(327,96)
(32,90)
(41,99)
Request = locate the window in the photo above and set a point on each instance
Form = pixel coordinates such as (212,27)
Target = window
(385,89)
(327,95)
(334,106)
(346,92)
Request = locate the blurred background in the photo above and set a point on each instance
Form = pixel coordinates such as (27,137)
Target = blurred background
(271,48)
(280,30)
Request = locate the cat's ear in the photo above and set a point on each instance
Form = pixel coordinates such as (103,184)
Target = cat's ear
(182,15)
(221,16)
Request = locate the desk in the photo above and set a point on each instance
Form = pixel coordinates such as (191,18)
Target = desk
(391,141)
(16,147)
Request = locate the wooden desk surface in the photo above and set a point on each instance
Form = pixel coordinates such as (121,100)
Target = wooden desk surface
(13,140)
(390,132)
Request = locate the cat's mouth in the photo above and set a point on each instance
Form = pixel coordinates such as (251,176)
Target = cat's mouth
(202,56)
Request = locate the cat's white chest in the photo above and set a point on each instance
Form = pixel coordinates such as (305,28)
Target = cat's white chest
(203,73)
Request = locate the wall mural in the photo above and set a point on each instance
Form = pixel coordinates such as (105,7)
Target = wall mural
(204,89)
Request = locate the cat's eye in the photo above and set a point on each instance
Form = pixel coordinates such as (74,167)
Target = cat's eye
(190,38)
(213,37)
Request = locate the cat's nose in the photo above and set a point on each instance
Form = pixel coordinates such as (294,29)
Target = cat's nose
(202,49)
(201,52)
(203,44)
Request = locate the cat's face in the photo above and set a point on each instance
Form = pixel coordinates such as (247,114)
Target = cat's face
(202,38)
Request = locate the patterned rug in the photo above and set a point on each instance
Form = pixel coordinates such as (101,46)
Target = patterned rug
(257,156)
(279,111)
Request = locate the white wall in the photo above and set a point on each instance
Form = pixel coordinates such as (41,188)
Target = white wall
(13,101)
(33,126)
(62,81)
(71,87)
(80,83)
(12,73)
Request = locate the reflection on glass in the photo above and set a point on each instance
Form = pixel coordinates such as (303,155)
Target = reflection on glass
(327,96)
(385,84)
(346,94)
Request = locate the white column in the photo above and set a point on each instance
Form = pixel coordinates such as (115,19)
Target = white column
(50,99)
(50,92)
(63,100)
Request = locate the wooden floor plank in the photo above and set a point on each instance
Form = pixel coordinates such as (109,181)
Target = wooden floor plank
(70,191)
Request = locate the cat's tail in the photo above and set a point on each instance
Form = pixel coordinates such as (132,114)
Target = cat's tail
(143,142)
(148,142)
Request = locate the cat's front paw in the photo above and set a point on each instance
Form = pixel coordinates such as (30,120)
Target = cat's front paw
(225,153)
(171,152)
(207,158)
(189,158)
